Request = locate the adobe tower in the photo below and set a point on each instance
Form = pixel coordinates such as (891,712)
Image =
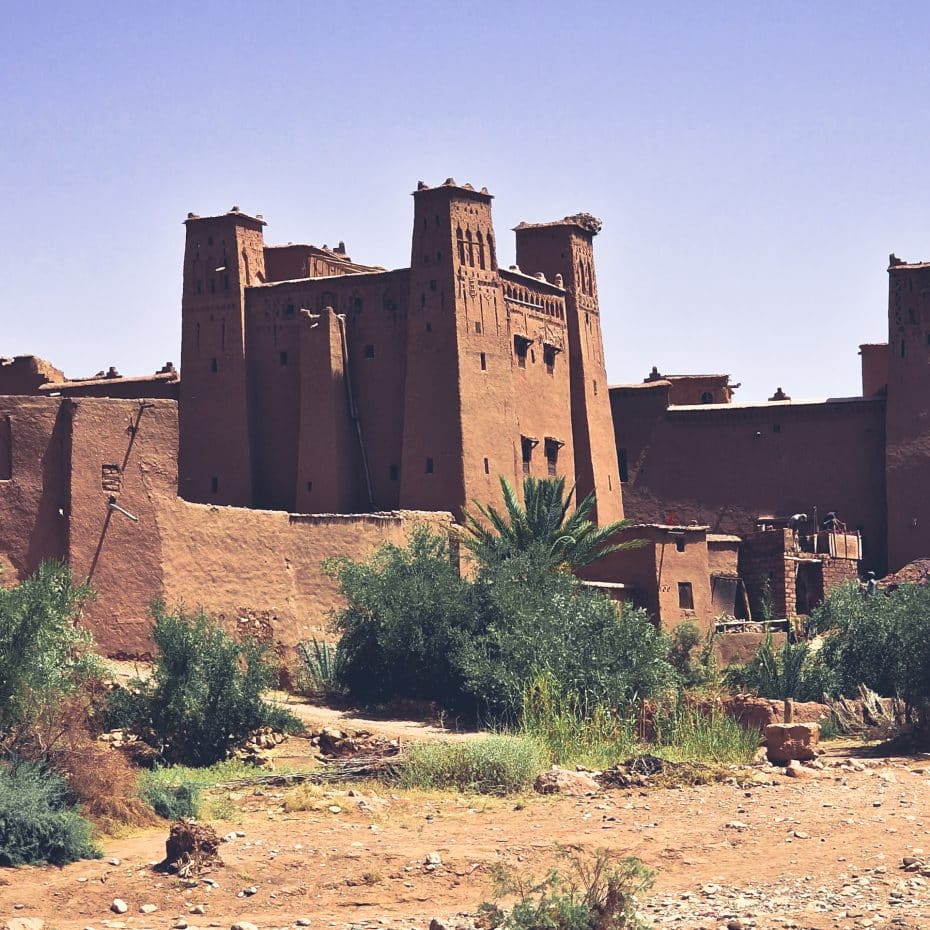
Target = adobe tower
(907,425)
(223,255)
(458,408)
(566,248)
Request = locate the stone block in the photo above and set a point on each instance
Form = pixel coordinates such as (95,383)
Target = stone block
(787,741)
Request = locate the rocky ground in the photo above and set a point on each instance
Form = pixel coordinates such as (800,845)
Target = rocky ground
(842,847)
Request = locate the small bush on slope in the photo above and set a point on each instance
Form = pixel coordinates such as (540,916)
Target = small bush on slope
(205,694)
(487,765)
(37,821)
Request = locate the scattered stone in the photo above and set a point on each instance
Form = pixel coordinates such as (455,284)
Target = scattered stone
(148,908)
(119,906)
(198,910)
(562,781)
(433,859)
(24,923)
(243,925)
(302,922)
(248,892)
(794,769)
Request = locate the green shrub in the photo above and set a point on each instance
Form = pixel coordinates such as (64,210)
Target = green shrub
(572,732)
(413,629)
(880,641)
(596,892)
(794,671)
(533,621)
(688,733)
(37,822)
(692,656)
(407,613)
(178,790)
(318,668)
(45,658)
(487,765)
(205,694)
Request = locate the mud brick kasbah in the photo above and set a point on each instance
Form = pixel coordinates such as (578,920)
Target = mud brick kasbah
(324,407)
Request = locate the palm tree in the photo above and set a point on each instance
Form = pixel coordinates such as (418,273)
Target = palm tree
(543,521)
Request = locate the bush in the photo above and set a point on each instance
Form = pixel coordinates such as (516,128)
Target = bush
(407,615)
(45,659)
(37,822)
(880,641)
(692,656)
(572,732)
(596,893)
(318,669)
(178,790)
(795,671)
(413,629)
(205,694)
(488,765)
(104,783)
(537,622)
(688,733)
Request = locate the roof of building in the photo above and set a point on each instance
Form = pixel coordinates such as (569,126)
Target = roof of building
(585,221)
(451,184)
(53,386)
(778,403)
(233,211)
(723,538)
(640,385)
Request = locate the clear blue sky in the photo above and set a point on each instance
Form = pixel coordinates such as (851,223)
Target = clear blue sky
(754,164)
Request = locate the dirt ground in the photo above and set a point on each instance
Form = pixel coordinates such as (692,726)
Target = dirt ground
(824,852)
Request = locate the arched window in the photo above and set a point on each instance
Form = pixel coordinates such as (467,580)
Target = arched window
(707,398)
(471,248)
(461,244)
(481,264)
(491,254)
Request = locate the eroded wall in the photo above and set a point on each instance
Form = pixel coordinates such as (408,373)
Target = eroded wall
(71,457)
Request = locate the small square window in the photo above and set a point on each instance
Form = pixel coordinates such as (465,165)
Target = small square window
(429,466)
(477,326)
(595,388)
(432,285)
(282,358)
(685,595)
(394,472)
(289,310)
(369,351)
(309,486)
(624,467)
(520,347)
(487,467)
(484,362)
(679,544)
(429,327)
(214,365)
(214,484)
